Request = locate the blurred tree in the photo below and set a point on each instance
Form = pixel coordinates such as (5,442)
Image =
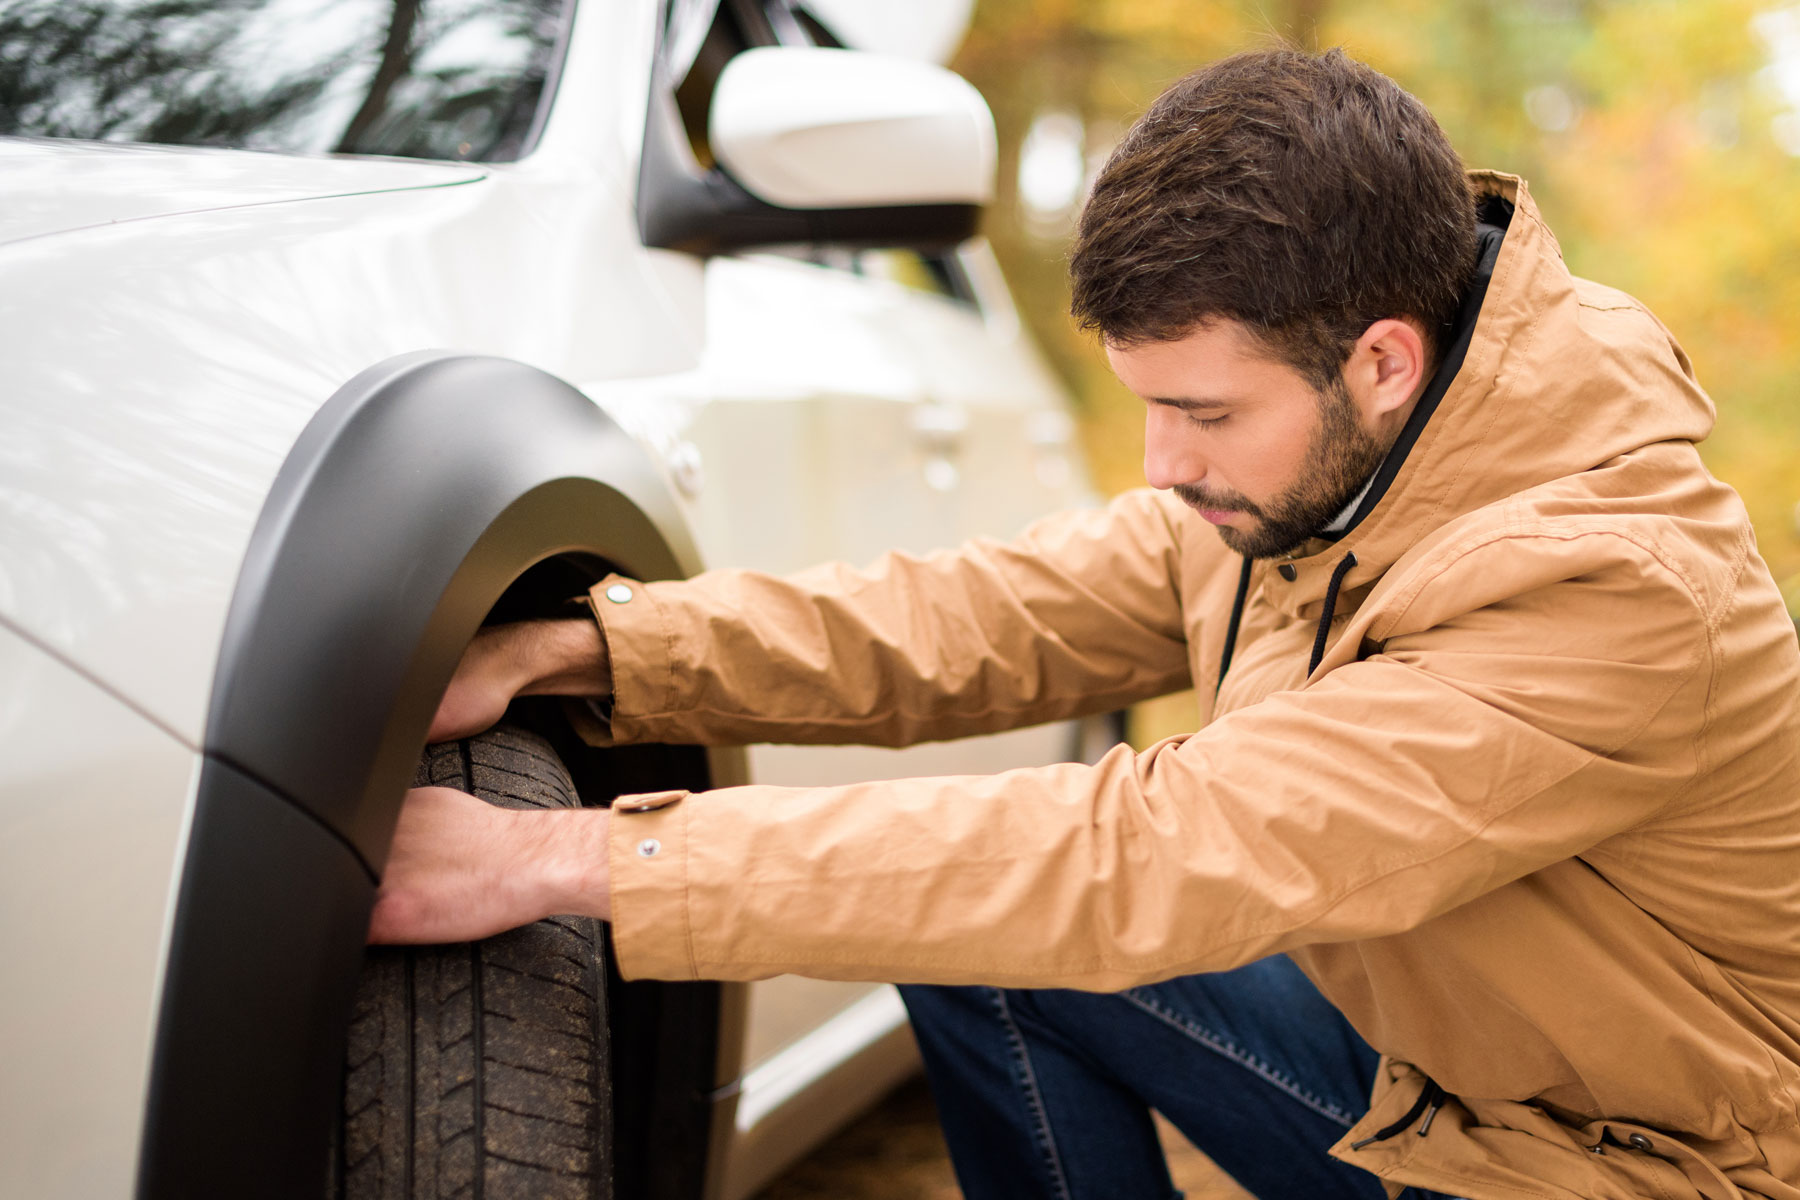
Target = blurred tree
(1661,138)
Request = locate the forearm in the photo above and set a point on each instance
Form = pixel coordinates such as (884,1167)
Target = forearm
(564,656)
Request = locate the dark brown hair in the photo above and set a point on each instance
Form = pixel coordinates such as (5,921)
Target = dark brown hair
(1307,196)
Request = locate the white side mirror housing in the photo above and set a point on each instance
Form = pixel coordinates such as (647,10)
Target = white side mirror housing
(814,128)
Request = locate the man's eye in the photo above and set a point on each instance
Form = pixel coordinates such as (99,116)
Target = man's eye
(1207,422)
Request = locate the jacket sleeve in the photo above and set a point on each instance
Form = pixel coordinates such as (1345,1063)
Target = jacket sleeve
(1081,614)
(1495,735)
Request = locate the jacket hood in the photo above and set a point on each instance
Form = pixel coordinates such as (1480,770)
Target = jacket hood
(1537,387)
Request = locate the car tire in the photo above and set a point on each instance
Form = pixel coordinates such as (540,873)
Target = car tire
(482,1069)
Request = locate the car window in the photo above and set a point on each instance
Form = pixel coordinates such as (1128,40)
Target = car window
(447,79)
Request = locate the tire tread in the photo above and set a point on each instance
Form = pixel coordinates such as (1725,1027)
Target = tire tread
(481,1071)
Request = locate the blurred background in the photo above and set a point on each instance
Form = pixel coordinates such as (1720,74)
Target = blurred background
(1661,139)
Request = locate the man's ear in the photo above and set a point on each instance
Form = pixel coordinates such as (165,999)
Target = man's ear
(1386,371)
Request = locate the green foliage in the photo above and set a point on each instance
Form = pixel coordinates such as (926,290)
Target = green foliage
(1649,130)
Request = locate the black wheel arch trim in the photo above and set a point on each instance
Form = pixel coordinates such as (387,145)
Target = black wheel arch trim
(419,491)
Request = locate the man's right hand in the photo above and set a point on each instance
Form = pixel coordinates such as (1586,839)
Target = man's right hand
(462,869)
(562,657)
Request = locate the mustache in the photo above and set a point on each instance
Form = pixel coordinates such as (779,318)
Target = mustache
(1201,498)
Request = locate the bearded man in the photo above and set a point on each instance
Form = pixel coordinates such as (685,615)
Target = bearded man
(1481,875)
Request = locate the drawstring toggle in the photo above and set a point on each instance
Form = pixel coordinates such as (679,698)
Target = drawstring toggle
(1427,1105)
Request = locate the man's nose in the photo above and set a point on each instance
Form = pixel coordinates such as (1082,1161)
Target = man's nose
(1171,456)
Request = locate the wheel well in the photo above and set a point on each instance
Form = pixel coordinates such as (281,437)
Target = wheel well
(665,1036)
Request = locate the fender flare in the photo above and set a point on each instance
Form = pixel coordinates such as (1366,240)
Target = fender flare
(412,499)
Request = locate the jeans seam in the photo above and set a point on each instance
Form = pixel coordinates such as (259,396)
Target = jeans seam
(1242,1057)
(1034,1099)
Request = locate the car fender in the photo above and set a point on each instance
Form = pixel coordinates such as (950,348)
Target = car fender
(423,488)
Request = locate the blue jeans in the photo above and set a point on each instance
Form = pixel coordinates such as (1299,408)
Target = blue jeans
(1048,1093)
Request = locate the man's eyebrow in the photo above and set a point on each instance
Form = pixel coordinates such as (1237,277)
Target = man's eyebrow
(1207,404)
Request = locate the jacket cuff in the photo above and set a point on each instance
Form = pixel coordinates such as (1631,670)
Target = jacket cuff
(639,641)
(647,854)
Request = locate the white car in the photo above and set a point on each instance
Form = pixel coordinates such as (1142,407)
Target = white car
(335,328)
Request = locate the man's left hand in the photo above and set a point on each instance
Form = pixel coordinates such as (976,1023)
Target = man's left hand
(563,656)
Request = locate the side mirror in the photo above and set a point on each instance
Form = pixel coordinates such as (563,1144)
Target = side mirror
(815,128)
(821,146)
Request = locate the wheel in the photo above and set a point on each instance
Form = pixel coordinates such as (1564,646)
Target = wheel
(482,1069)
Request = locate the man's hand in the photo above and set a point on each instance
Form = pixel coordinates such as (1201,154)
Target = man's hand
(564,657)
(462,869)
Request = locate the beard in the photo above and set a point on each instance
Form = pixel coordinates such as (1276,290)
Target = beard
(1338,463)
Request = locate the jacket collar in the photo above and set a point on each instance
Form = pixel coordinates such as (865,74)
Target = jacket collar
(1528,391)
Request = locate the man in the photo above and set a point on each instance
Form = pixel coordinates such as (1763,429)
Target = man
(1482,874)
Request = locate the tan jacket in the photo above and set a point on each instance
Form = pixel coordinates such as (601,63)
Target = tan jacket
(1533,823)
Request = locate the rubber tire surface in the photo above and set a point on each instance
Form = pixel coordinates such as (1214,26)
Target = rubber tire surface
(481,1070)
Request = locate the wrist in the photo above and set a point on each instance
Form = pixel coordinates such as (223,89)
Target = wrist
(572,874)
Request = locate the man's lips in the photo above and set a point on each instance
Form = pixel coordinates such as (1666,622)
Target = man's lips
(1210,509)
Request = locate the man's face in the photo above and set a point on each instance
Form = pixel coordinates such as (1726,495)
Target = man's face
(1245,440)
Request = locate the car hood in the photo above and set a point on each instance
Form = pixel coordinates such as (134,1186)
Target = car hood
(58,186)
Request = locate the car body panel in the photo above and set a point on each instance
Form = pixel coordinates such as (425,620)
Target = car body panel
(857,1047)
(56,186)
(93,817)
